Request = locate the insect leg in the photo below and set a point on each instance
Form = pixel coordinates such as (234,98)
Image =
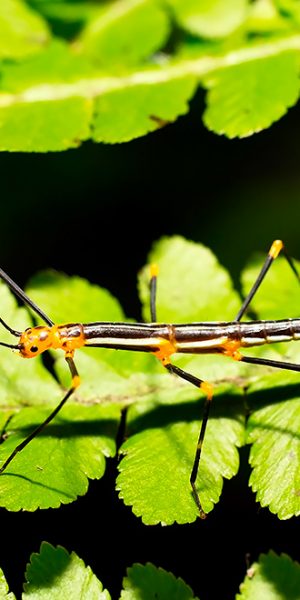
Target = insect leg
(274,251)
(207,388)
(278,364)
(163,355)
(153,289)
(37,430)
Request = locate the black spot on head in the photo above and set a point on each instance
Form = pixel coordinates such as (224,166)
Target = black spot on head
(33,349)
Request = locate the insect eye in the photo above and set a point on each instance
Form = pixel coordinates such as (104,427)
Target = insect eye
(33,349)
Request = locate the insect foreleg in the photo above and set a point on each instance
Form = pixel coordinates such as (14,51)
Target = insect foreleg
(41,427)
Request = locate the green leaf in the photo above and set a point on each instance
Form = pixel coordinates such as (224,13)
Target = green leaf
(273,577)
(22,30)
(124,32)
(290,8)
(128,113)
(265,17)
(54,468)
(54,125)
(275,453)
(72,99)
(155,472)
(63,92)
(57,574)
(148,582)
(4,590)
(192,285)
(78,299)
(245,99)
(210,18)
(57,64)
(70,12)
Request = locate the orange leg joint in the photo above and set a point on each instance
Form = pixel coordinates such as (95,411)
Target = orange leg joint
(275,248)
(164,352)
(208,389)
(231,349)
(75,381)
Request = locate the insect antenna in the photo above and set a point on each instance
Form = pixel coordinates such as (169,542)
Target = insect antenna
(12,331)
(12,346)
(21,294)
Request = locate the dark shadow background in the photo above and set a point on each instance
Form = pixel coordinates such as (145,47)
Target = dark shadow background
(95,211)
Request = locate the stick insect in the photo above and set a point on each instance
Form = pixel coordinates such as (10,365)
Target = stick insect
(161,339)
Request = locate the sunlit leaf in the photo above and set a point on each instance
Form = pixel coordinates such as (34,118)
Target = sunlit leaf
(56,574)
(121,72)
(55,467)
(142,579)
(22,30)
(210,18)
(124,32)
(5,594)
(192,285)
(245,99)
(273,577)
(275,452)
(159,454)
